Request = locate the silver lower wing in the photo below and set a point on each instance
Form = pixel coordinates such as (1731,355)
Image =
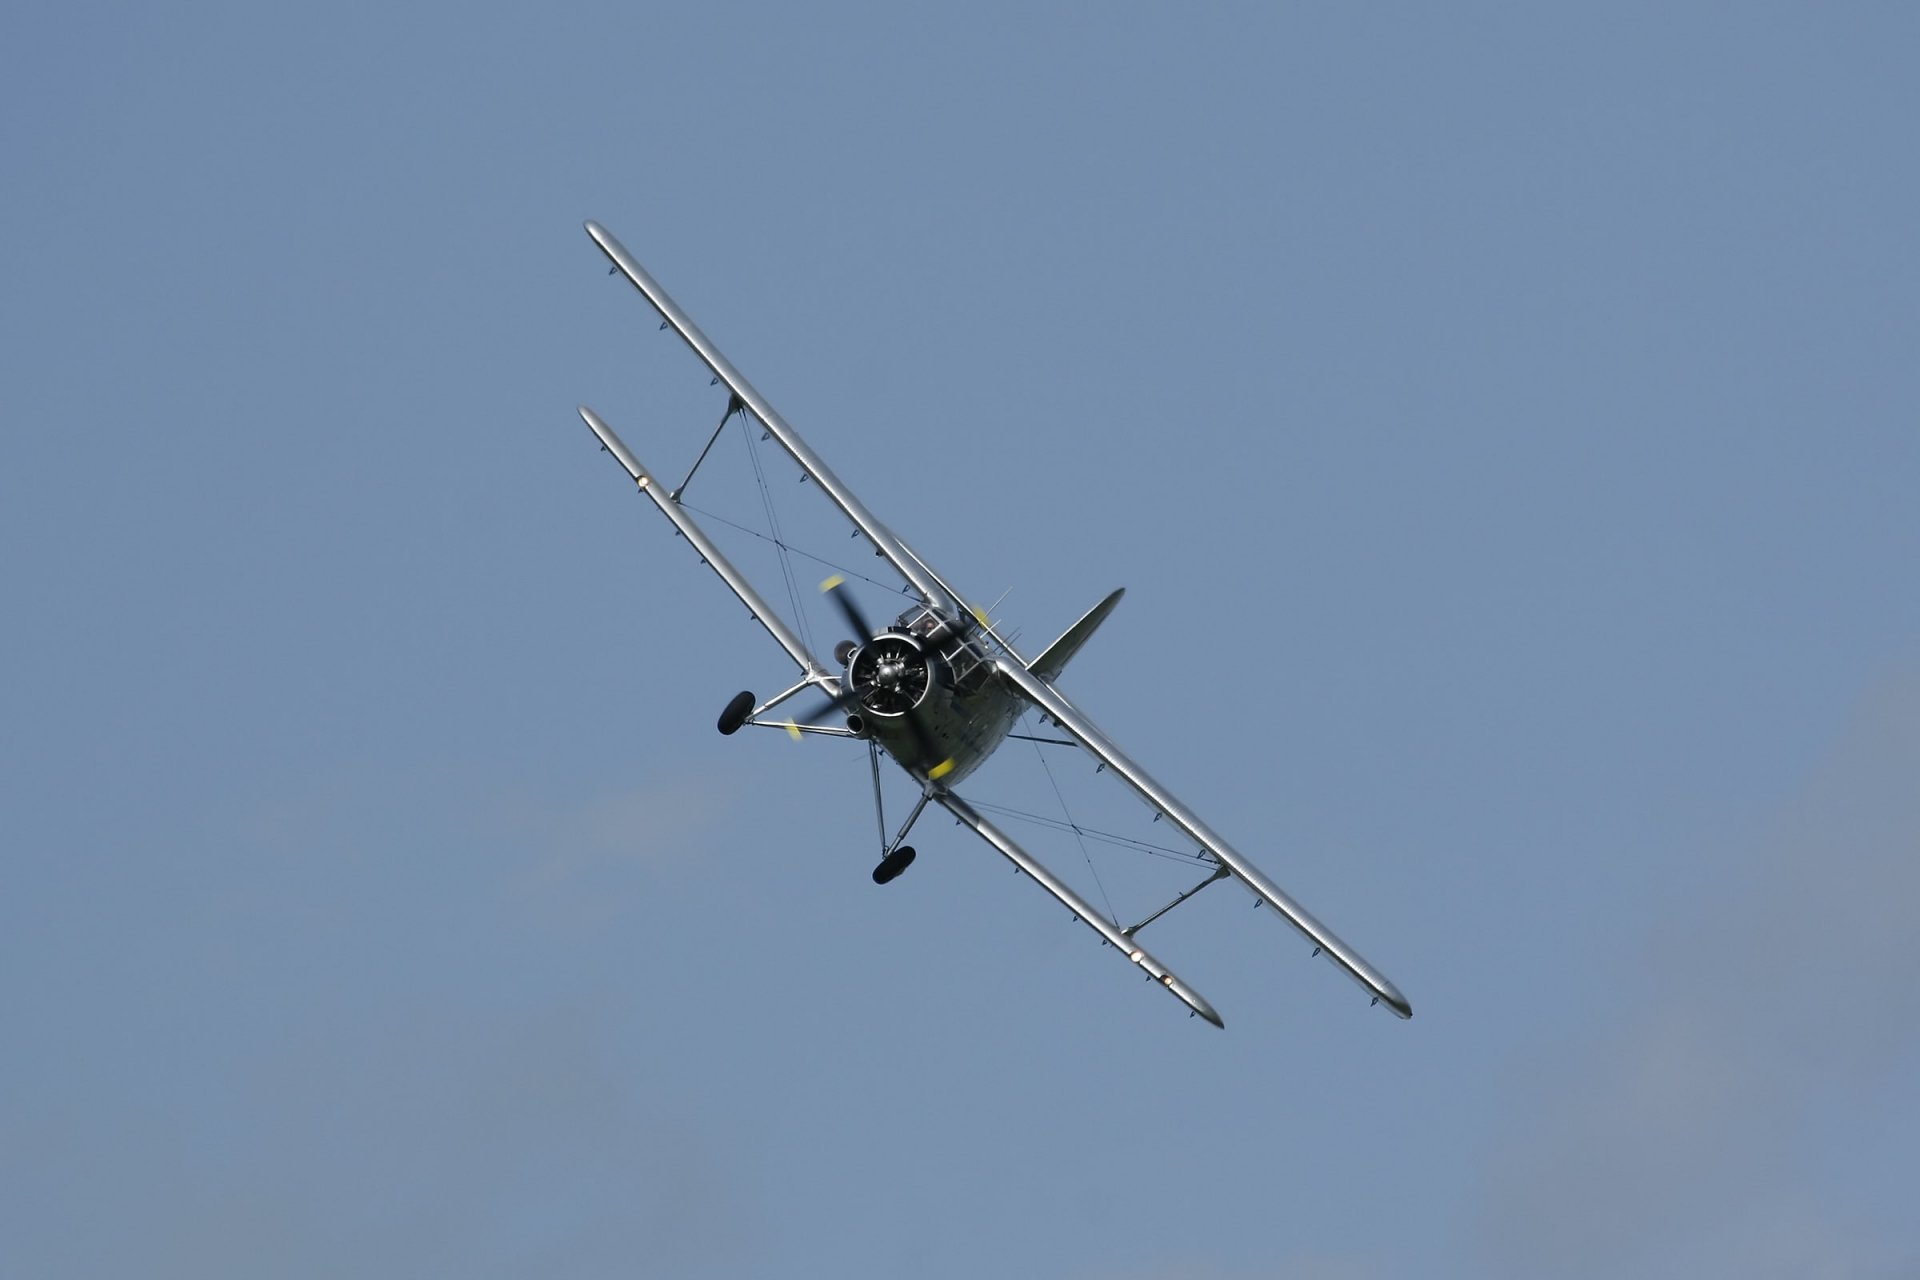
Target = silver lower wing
(710,555)
(1132,950)
(1083,730)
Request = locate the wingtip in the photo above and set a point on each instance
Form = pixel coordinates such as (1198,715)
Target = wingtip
(1193,1000)
(603,238)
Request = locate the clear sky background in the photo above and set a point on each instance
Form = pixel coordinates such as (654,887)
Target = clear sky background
(1502,417)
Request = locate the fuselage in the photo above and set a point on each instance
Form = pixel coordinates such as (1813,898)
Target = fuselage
(931,668)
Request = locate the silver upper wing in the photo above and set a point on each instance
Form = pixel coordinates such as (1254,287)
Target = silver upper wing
(905,562)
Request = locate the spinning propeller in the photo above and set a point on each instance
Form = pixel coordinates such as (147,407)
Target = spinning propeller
(889,675)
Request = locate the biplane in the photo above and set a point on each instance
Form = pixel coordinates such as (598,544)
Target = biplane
(940,687)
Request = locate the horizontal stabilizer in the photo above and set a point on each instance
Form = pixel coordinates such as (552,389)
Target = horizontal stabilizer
(1050,664)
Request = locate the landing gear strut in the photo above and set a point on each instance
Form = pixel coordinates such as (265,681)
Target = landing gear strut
(894,856)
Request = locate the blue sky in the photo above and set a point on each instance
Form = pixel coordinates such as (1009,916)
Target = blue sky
(1502,421)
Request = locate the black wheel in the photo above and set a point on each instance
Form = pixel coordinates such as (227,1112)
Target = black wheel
(736,713)
(893,864)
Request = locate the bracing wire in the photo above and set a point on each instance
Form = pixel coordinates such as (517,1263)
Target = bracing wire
(805,555)
(747,426)
(1077,834)
(1091,833)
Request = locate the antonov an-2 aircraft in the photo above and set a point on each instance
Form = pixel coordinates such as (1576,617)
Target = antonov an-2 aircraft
(940,688)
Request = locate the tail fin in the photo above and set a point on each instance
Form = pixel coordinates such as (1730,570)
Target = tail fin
(1051,663)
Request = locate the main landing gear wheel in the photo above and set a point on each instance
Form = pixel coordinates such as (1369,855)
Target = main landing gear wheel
(736,713)
(893,864)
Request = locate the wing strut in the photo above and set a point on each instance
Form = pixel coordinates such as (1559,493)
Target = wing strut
(1219,873)
(1132,950)
(733,406)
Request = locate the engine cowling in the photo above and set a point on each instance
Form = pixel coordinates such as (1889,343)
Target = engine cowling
(892,674)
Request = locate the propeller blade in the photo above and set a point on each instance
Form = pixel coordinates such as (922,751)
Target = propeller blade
(848,609)
(922,739)
(833,704)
